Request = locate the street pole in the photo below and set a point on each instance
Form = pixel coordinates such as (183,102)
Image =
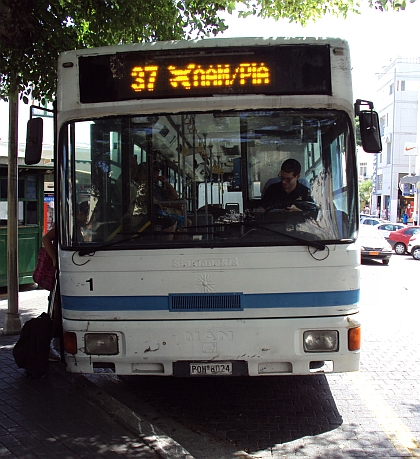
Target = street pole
(12,320)
(394,216)
(417,207)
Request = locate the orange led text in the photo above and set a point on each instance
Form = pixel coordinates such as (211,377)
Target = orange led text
(144,78)
(219,75)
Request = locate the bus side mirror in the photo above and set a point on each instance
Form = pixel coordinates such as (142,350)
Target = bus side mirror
(370,132)
(34,135)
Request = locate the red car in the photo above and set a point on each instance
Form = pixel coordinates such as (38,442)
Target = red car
(399,239)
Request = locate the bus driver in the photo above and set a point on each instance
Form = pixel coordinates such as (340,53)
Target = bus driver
(289,190)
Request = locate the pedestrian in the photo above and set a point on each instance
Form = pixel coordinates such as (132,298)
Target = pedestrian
(415,218)
(48,239)
(405,217)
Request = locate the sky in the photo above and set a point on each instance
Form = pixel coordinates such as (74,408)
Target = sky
(375,38)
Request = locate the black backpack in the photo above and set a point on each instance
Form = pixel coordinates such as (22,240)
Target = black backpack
(32,349)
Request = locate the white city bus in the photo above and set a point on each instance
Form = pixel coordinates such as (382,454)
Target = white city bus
(177,269)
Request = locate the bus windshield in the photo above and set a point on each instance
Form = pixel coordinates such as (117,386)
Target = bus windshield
(148,181)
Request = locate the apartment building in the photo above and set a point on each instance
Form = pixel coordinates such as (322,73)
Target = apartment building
(397,103)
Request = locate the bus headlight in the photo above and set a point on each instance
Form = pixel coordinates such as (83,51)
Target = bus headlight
(101,344)
(320,341)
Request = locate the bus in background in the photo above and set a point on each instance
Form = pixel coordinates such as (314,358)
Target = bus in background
(168,264)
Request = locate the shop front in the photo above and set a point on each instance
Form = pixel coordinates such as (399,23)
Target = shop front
(30,220)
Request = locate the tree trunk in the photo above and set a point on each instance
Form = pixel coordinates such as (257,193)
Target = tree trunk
(12,321)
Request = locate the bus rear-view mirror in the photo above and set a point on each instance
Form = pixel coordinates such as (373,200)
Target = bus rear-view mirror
(34,135)
(370,132)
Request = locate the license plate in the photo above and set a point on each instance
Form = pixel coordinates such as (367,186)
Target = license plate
(210,369)
(373,254)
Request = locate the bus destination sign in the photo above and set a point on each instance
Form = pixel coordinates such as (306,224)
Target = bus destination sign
(195,76)
(282,70)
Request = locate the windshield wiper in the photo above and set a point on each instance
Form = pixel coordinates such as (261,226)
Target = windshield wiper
(92,249)
(205,228)
(314,244)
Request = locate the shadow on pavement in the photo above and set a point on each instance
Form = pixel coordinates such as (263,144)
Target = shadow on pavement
(251,413)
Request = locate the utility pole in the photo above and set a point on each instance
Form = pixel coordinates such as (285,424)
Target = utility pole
(12,321)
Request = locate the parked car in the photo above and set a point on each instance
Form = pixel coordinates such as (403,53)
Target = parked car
(399,239)
(386,228)
(373,246)
(363,216)
(413,246)
(368,220)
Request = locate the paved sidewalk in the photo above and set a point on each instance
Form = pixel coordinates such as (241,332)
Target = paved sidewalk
(59,416)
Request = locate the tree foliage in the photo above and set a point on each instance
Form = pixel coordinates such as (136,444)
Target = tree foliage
(34,32)
(302,12)
(365,189)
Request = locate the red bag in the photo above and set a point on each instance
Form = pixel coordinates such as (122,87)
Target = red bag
(44,274)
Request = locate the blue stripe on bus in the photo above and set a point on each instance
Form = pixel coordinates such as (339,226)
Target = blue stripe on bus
(252,301)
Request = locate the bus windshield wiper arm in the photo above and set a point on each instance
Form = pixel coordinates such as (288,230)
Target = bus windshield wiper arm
(316,245)
(95,248)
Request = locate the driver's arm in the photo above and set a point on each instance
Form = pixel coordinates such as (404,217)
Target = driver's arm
(306,196)
(269,198)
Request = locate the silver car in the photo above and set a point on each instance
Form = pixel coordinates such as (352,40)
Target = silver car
(387,227)
(373,246)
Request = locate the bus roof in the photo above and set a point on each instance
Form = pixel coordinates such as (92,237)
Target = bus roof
(206,43)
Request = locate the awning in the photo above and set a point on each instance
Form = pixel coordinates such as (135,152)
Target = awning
(410,179)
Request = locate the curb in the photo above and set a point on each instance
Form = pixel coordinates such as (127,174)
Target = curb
(163,445)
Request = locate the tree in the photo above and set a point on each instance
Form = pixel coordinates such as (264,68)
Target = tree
(302,12)
(365,189)
(34,32)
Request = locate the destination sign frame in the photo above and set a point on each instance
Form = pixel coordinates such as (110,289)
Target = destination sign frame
(272,70)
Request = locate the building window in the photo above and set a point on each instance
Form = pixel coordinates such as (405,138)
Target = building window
(363,169)
(382,124)
(388,153)
(380,179)
(402,85)
(391,89)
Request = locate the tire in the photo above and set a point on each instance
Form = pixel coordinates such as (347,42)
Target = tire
(385,262)
(416,253)
(400,248)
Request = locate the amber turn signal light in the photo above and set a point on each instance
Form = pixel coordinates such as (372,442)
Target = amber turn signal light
(70,342)
(354,338)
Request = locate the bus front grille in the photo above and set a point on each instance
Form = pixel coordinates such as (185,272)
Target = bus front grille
(206,302)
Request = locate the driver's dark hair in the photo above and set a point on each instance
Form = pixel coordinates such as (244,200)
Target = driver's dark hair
(291,165)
